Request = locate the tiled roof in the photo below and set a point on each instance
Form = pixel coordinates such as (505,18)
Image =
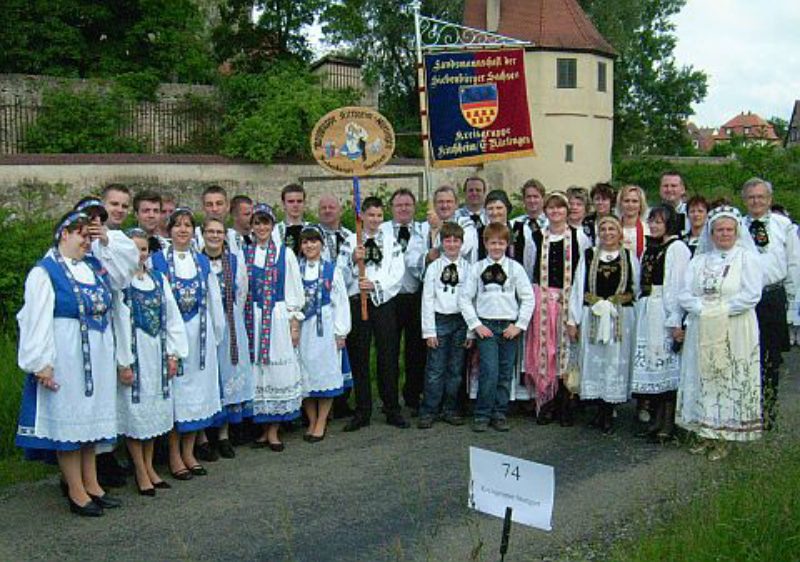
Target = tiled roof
(748,125)
(551,24)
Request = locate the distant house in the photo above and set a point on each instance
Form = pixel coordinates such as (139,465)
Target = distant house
(749,127)
(702,137)
(340,73)
(793,134)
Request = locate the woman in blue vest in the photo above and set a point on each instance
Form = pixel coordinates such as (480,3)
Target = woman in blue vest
(67,346)
(324,332)
(151,338)
(196,386)
(235,370)
(273,315)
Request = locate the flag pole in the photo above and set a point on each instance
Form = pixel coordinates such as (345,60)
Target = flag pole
(362,269)
(423,103)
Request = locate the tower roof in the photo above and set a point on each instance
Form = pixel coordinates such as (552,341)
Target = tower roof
(549,24)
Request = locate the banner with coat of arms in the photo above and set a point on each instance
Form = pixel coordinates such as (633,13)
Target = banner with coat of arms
(477,106)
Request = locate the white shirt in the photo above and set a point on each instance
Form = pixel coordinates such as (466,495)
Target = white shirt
(780,258)
(120,257)
(386,276)
(527,233)
(410,282)
(438,297)
(418,249)
(513,301)
(464,213)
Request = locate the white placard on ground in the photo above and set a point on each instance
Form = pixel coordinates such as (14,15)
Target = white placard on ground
(498,481)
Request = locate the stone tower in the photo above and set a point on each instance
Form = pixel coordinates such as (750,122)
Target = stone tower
(570,80)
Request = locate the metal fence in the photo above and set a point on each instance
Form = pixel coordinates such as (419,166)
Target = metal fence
(161,127)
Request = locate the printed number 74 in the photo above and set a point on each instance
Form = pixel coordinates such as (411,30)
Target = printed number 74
(513,472)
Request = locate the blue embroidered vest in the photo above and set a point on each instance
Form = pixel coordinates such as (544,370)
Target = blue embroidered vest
(255,277)
(146,306)
(310,289)
(185,290)
(96,298)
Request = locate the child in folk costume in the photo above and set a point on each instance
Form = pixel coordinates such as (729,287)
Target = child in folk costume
(497,303)
(273,315)
(324,331)
(601,306)
(384,269)
(444,330)
(151,338)
(196,386)
(556,251)
(236,372)
(67,345)
(656,363)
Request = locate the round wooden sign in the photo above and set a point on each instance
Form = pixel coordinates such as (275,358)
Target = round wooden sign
(352,141)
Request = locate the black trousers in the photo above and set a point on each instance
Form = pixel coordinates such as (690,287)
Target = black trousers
(409,325)
(382,327)
(774,340)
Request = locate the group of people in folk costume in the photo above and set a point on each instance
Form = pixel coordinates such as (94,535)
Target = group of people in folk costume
(177,327)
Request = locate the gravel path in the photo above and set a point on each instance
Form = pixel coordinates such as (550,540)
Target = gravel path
(377,494)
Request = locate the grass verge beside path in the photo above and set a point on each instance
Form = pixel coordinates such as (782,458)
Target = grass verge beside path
(751,512)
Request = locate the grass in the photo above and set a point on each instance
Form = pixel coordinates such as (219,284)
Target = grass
(751,513)
(13,468)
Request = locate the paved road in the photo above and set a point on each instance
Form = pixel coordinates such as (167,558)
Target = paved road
(377,494)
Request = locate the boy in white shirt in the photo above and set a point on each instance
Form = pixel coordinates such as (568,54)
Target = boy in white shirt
(444,330)
(497,303)
(384,269)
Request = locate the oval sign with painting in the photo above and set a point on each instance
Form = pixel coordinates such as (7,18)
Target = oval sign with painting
(352,141)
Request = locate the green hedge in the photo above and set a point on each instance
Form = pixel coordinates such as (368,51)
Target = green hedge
(779,166)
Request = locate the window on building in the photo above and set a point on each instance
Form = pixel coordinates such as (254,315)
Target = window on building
(567,73)
(747,130)
(601,77)
(569,153)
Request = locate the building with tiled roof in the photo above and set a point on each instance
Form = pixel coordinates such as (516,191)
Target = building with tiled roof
(569,70)
(702,137)
(749,127)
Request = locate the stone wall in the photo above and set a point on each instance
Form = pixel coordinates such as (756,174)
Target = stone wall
(47,185)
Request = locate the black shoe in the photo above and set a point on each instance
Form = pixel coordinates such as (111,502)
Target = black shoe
(106,501)
(144,492)
(182,474)
(315,438)
(206,453)
(91,509)
(356,423)
(198,470)
(226,449)
(398,421)
(276,447)
(162,485)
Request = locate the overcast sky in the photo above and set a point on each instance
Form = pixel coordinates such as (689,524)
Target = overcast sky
(750,50)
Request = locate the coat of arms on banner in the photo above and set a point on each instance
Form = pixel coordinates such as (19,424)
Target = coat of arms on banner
(479,104)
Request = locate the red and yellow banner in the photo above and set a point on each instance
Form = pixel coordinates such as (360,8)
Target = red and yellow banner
(477,107)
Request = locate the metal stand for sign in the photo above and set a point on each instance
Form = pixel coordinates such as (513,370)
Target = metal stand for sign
(432,34)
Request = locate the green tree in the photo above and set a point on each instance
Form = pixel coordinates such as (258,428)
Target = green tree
(85,39)
(276,34)
(653,94)
(780,125)
(271,115)
(381,34)
(87,121)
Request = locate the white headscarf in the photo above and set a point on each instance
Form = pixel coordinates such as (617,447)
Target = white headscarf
(744,240)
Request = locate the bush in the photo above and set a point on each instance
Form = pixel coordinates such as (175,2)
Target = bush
(271,115)
(777,165)
(88,121)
